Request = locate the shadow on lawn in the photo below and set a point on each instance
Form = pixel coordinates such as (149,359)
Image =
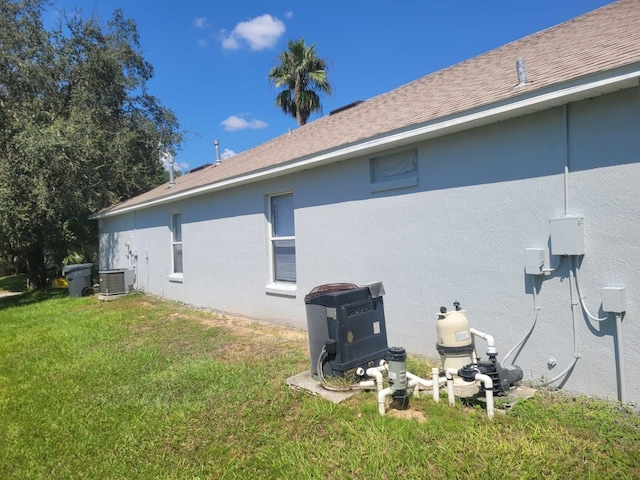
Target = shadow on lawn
(32,296)
(13,283)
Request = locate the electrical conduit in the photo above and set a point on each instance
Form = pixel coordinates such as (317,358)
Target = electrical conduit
(576,355)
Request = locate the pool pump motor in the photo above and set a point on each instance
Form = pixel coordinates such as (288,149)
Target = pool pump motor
(503,377)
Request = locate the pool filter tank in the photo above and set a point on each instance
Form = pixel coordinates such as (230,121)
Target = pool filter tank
(457,350)
(455,343)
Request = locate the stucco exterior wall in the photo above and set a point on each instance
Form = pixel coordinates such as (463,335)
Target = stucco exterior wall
(483,197)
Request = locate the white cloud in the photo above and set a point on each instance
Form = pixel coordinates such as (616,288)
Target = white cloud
(201,22)
(234,123)
(288,15)
(227,153)
(229,42)
(259,33)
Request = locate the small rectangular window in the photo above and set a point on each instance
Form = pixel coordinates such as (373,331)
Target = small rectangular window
(394,170)
(176,243)
(282,238)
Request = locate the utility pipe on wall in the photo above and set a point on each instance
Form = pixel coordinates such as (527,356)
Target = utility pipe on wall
(536,308)
(576,355)
(621,375)
(565,115)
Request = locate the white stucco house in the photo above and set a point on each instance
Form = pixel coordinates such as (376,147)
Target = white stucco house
(446,189)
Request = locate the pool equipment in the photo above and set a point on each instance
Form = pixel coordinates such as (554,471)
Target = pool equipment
(467,375)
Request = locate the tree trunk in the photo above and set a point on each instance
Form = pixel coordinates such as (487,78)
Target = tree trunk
(36,268)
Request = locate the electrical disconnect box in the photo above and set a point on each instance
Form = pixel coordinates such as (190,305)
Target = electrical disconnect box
(534,261)
(567,235)
(613,299)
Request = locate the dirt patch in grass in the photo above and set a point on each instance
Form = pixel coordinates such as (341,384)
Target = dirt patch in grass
(407,414)
(247,327)
(254,339)
(247,339)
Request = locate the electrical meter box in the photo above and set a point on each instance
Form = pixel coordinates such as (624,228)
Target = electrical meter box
(567,235)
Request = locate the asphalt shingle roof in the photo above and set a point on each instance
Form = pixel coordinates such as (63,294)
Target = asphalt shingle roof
(601,40)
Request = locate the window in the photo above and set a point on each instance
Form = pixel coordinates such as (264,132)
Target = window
(282,238)
(176,244)
(394,170)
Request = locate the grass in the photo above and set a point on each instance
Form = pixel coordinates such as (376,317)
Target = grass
(142,388)
(13,283)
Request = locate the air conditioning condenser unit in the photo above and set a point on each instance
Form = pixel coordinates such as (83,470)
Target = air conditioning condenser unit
(116,282)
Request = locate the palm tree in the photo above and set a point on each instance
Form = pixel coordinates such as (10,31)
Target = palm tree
(303,75)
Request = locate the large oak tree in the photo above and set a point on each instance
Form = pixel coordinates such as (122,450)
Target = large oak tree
(78,129)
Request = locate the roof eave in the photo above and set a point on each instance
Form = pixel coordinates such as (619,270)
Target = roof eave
(522,104)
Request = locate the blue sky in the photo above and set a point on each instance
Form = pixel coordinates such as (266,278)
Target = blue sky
(211,59)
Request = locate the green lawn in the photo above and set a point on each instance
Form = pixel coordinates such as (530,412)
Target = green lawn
(140,388)
(13,283)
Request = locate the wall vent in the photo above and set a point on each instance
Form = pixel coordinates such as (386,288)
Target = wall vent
(116,282)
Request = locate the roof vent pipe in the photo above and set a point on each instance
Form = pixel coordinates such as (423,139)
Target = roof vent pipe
(172,173)
(217,145)
(522,72)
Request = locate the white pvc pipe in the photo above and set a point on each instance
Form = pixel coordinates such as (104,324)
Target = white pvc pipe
(449,373)
(576,355)
(491,344)
(621,374)
(536,309)
(433,384)
(376,373)
(382,394)
(416,382)
(488,387)
(366,384)
(567,156)
(582,302)
(485,379)
(420,381)
(435,379)
(413,384)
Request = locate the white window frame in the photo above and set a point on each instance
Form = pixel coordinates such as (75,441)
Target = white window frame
(279,286)
(175,276)
(391,170)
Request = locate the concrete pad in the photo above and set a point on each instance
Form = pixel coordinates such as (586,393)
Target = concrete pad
(515,394)
(304,381)
(521,392)
(110,298)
